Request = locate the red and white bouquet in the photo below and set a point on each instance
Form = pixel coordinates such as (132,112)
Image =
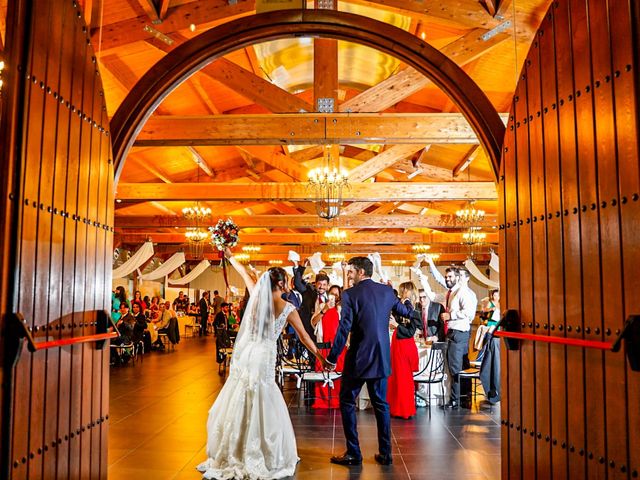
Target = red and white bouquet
(224,234)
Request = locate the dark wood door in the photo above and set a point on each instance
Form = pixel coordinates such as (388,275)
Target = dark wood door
(570,212)
(57,187)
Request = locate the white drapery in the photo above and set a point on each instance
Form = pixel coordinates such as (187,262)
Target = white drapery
(176,260)
(192,275)
(335,276)
(495,262)
(144,253)
(377,267)
(473,270)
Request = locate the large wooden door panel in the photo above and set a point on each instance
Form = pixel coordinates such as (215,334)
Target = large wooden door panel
(570,200)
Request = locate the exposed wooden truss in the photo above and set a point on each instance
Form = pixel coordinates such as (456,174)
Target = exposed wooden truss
(387,192)
(315,128)
(367,221)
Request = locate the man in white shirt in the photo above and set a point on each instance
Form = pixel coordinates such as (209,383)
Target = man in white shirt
(460,304)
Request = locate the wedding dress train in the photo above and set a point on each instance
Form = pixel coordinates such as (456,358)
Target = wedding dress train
(250,434)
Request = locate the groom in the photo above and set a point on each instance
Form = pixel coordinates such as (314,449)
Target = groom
(365,314)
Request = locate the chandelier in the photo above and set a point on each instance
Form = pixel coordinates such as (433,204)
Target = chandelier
(275,263)
(473,236)
(336,257)
(326,185)
(397,266)
(421,248)
(433,256)
(243,258)
(251,249)
(196,239)
(470,214)
(335,236)
(196,213)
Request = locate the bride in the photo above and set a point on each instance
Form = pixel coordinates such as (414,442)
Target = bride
(249,432)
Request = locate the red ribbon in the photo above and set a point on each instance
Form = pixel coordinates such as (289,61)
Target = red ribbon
(223,262)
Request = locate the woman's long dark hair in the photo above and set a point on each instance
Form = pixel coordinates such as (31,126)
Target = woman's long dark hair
(277,275)
(121,294)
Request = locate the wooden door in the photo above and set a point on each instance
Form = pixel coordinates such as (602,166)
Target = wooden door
(570,217)
(57,201)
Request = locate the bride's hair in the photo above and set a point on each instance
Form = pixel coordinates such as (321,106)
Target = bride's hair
(277,275)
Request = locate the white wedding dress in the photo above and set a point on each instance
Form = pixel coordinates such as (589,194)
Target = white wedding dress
(249,431)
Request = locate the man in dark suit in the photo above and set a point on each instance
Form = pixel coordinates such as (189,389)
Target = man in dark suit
(312,295)
(433,326)
(204,313)
(366,308)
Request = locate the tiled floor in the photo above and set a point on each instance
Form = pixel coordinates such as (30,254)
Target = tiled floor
(159,408)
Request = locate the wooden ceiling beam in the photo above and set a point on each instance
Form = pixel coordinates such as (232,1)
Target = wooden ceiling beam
(306,250)
(467,13)
(368,192)
(408,81)
(382,161)
(277,160)
(163,7)
(177,18)
(244,82)
(317,238)
(308,153)
(312,128)
(469,157)
(149,9)
(290,218)
(200,162)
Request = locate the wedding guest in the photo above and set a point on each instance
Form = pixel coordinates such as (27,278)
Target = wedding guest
(222,317)
(325,321)
(181,303)
(154,309)
(118,298)
(137,297)
(404,357)
(216,303)
(140,332)
(204,313)
(432,326)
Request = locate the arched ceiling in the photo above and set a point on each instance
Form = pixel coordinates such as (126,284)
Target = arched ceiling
(256,89)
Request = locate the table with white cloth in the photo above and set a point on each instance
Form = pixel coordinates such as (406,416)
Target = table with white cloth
(424,352)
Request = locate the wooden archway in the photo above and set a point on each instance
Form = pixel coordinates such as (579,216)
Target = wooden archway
(194,54)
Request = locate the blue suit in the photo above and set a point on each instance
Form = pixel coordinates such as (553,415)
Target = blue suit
(366,308)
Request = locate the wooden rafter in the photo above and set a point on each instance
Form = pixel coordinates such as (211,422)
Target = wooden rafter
(276,159)
(387,191)
(290,218)
(313,128)
(200,162)
(149,9)
(408,81)
(163,6)
(468,158)
(177,18)
(318,238)
(382,161)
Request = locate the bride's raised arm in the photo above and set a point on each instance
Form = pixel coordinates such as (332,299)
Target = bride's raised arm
(248,280)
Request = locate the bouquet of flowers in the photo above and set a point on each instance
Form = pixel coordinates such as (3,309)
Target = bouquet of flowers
(224,234)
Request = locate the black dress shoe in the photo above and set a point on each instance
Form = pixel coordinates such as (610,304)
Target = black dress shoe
(451,405)
(346,459)
(383,459)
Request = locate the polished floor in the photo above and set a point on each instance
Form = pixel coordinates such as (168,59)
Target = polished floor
(159,408)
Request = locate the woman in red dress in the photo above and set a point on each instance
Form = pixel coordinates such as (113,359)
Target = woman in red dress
(404,358)
(325,321)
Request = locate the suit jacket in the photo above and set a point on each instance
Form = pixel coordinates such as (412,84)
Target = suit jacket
(309,298)
(435,326)
(366,308)
(204,308)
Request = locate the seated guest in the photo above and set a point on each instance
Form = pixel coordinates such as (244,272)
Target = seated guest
(222,317)
(137,297)
(125,327)
(140,332)
(404,357)
(154,309)
(181,304)
(162,323)
(232,321)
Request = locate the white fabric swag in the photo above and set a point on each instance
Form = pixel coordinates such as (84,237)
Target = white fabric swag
(473,270)
(495,262)
(192,275)
(377,267)
(176,260)
(144,253)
